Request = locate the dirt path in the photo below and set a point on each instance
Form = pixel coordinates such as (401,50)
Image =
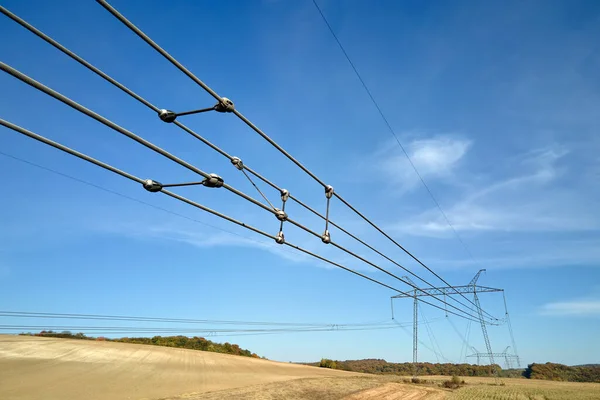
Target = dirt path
(33,368)
(397,391)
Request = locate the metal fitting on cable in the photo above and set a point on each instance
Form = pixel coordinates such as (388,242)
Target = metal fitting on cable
(237,162)
(225,105)
(213,181)
(328,191)
(326,237)
(152,186)
(280,239)
(167,115)
(281,215)
(285,195)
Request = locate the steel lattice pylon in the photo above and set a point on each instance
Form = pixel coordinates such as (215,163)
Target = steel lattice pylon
(471,287)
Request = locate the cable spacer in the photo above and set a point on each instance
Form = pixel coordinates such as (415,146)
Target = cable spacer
(152,186)
(167,115)
(280,239)
(280,214)
(237,162)
(225,105)
(285,195)
(213,181)
(326,237)
(328,191)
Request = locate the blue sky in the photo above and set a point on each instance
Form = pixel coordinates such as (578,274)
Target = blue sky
(497,104)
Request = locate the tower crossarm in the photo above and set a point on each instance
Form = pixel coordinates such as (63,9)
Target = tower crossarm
(449,291)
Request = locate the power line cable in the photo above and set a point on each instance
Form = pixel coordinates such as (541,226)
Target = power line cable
(93,317)
(197,205)
(236,161)
(221,100)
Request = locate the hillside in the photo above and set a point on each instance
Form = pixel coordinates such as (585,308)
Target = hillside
(36,368)
(183,342)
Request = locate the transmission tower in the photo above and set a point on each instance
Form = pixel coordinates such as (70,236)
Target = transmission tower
(471,287)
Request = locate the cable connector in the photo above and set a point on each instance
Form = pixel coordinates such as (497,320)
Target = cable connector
(280,239)
(152,186)
(213,181)
(280,214)
(225,105)
(285,195)
(237,162)
(326,237)
(328,191)
(167,115)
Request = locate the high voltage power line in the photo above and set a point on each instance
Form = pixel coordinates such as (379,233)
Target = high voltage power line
(255,327)
(234,160)
(210,178)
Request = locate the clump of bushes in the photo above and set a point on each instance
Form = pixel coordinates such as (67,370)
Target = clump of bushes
(454,383)
(327,363)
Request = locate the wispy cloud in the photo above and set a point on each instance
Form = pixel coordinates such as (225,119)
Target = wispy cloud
(530,197)
(583,308)
(204,239)
(434,158)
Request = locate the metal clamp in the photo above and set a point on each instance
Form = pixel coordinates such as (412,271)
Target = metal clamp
(167,115)
(152,186)
(328,191)
(237,162)
(281,215)
(225,105)
(280,239)
(285,195)
(326,237)
(213,181)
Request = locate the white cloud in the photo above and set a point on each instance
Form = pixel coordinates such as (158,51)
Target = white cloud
(436,157)
(529,199)
(202,239)
(572,308)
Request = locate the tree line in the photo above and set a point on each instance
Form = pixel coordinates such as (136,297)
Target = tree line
(560,372)
(193,343)
(548,371)
(378,366)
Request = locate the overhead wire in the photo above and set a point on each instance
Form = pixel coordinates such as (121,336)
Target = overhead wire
(37,85)
(128,318)
(204,208)
(111,80)
(183,69)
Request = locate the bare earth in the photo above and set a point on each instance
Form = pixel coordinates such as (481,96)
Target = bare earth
(48,368)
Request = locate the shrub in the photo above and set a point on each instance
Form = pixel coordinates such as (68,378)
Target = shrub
(454,383)
(327,363)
